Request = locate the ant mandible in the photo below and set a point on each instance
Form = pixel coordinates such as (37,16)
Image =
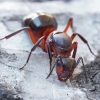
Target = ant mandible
(42,28)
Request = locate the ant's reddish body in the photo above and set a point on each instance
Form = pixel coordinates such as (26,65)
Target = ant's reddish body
(42,28)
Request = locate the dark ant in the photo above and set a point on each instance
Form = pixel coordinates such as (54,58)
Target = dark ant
(42,28)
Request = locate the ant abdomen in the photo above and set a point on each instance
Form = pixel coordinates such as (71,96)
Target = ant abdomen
(38,20)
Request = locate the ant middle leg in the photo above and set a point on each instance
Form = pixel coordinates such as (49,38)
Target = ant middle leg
(34,47)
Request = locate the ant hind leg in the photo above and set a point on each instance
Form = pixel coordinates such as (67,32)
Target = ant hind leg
(85,41)
(69,24)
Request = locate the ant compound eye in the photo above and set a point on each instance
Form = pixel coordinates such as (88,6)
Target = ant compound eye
(58,62)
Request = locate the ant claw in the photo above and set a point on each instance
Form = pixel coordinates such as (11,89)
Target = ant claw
(21,68)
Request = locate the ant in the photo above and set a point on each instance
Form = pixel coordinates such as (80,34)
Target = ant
(42,28)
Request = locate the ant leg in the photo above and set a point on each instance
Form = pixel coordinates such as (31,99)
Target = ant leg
(74,46)
(52,69)
(69,24)
(85,41)
(34,47)
(16,32)
(74,54)
(46,33)
(80,58)
(49,54)
(71,72)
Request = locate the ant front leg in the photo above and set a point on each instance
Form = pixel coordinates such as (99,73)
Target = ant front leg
(81,59)
(85,41)
(34,47)
(74,46)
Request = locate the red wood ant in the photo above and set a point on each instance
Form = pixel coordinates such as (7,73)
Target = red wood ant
(42,28)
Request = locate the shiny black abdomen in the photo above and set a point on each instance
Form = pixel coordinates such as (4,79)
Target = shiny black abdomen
(38,20)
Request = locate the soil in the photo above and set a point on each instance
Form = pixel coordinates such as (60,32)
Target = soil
(92,86)
(5,94)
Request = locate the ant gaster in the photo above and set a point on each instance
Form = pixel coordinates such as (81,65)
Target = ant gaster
(42,28)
